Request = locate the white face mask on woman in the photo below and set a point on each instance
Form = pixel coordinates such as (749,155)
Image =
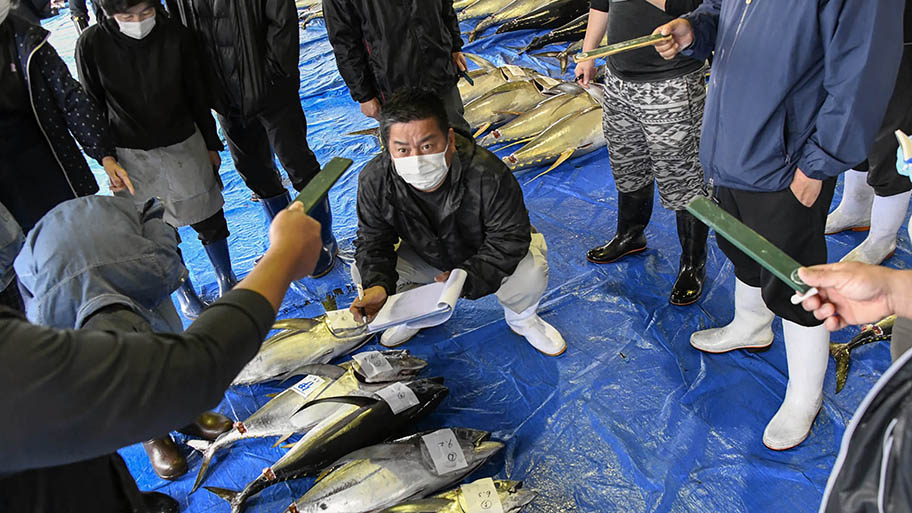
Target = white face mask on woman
(4,10)
(423,172)
(137,29)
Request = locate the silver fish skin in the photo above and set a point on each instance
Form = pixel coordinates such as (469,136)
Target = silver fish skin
(482,8)
(576,134)
(535,121)
(513,498)
(302,342)
(512,11)
(282,416)
(507,101)
(384,475)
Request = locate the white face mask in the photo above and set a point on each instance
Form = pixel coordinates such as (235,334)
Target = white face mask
(136,29)
(423,172)
(4,9)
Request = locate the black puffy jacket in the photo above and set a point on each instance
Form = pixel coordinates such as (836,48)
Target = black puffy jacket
(485,227)
(384,45)
(873,472)
(251,47)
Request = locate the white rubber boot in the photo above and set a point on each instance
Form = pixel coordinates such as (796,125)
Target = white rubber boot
(887,216)
(854,211)
(750,329)
(539,333)
(807,350)
(398,335)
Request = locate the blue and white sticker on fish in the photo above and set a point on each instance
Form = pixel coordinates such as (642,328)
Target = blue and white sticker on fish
(481,497)
(445,451)
(307,386)
(399,397)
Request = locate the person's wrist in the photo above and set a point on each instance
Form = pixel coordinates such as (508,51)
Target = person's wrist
(282,261)
(899,299)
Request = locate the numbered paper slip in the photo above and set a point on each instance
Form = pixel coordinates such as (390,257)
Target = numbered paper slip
(423,307)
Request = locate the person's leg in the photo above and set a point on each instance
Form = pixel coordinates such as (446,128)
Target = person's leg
(672,114)
(213,233)
(520,295)
(79,13)
(854,210)
(751,327)
(455,110)
(632,169)
(11,298)
(902,337)
(252,154)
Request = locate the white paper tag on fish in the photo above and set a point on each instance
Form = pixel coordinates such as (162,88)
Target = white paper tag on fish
(308,385)
(516,71)
(372,364)
(481,497)
(399,397)
(445,451)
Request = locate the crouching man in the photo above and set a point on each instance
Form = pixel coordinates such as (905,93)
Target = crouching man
(432,202)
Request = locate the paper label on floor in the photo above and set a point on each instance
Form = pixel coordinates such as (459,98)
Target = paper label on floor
(308,385)
(372,364)
(481,497)
(445,451)
(399,397)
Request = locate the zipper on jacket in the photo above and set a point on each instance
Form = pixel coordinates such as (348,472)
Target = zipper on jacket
(28,70)
(887,449)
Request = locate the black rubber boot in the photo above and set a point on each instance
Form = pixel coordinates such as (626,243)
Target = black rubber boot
(275,204)
(157,502)
(190,303)
(692,273)
(221,261)
(323,214)
(81,23)
(166,458)
(208,426)
(634,211)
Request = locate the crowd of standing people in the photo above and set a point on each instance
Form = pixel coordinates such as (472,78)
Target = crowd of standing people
(798,94)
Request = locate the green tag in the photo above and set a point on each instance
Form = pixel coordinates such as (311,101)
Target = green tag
(320,185)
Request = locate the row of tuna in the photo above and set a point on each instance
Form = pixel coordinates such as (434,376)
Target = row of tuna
(349,417)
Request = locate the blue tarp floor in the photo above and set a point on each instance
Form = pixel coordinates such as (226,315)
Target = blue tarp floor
(629,419)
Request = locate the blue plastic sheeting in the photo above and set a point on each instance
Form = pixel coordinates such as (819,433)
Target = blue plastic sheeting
(630,419)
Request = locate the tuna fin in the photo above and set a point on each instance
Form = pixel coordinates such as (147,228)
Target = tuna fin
(199,445)
(282,438)
(367,131)
(289,446)
(361,402)
(223,493)
(842,354)
(421,506)
(509,112)
(482,129)
(521,141)
(560,160)
(479,61)
(294,323)
(207,459)
(272,394)
(550,55)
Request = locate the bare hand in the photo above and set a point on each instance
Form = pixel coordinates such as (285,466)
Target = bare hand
(682,36)
(584,73)
(805,189)
(373,300)
(117,175)
(215,159)
(371,108)
(851,292)
(442,277)
(460,61)
(294,238)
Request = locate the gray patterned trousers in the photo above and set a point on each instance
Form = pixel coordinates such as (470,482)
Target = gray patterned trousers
(653,133)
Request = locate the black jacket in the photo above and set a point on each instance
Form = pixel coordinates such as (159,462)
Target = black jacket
(62,107)
(382,46)
(484,228)
(873,472)
(251,48)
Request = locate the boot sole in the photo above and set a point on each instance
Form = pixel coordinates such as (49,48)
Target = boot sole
(562,351)
(631,252)
(694,300)
(750,349)
(850,229)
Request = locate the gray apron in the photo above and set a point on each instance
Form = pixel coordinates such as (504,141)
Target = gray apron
(180,175)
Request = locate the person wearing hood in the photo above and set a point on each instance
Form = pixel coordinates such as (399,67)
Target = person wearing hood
(41,109)
(448,204)
(145,71)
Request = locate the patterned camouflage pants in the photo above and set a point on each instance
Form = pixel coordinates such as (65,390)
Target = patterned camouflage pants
(653,133)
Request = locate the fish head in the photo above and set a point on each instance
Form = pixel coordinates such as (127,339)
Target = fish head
(430,393)
(402,366)
(476,444)
(513,497)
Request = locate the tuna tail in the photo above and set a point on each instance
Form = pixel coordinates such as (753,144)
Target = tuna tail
(566,154)
(236,499)
(842,353)
(208,453)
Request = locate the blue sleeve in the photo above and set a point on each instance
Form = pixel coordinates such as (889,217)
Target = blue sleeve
(863,43)
(705,23)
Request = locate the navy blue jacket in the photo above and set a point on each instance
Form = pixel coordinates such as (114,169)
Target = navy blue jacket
(61,106)
(794,84)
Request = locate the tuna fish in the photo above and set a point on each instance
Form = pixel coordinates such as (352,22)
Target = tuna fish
(531,123)
(842,353)
(282,416)
(512,11)
(550,16)
(301,342)
(482,9)
(359,422)
(513,498)
(506,101)
(573,31)
(384,475)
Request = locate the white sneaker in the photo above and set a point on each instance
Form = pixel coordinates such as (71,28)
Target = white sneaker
(398,335)
(854,211)
(807,351)
(541,335)
(750,329)
(887,214)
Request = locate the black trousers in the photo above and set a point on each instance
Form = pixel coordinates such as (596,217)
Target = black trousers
(11,298)
(79,9)
(790,226)
(881,163)
(212,229)
(282,129)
